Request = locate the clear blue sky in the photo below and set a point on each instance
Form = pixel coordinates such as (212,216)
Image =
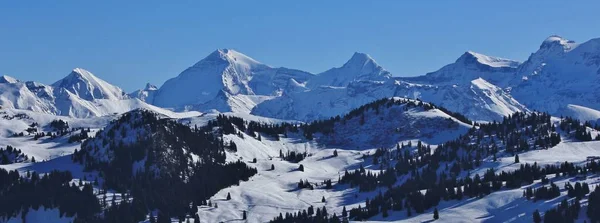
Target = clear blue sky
(129,43)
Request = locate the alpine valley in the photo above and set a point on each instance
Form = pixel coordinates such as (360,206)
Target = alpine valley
(231,139)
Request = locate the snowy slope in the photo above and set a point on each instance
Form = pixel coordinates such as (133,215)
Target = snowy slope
(581,113)
(226,102)
(324,101)
(476,99)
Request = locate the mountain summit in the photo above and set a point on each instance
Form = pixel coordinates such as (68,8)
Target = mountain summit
(4,79)
(224,70)
(361,66)
(85,85)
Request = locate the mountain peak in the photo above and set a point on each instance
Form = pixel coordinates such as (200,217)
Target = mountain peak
(360,59)
(229,56)
(150,87)
(360,67)
(5,79)
(87,86)
(555,41)
(471,57)
(82,73)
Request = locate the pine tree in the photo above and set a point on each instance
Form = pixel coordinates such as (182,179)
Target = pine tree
(436,214)
(335,153)
(344,212)
(272,166)
(228,196)
(323,199)
(384,212)
(537,218)
(244,215)
(301,168)
(517,158)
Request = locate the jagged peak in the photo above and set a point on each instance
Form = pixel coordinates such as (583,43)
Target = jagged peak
(150,87)
(229,56)
(471,57)
(77,74)
(360,59)
(5,79)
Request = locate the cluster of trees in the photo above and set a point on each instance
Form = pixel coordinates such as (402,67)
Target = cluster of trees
(593,210)
(565,212)
(59,125)
(542,193)
(578,130)
(18,116)
(368,180)
(437,187)
(78,137)
(236,125)
(304,184)
(13,155)
(311,216)
(59,128)
(578,191)
(168,180)
(19,194)
(292,156)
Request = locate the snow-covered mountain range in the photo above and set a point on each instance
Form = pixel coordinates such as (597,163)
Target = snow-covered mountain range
(558,78)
